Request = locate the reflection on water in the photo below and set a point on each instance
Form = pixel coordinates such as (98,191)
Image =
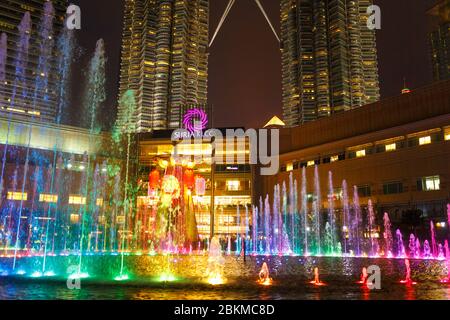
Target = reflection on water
(291,277)
(341,288)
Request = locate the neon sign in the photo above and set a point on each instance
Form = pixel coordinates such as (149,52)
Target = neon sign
(195,120)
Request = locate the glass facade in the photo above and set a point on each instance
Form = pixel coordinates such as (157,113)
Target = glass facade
(329,58)
(164,59)
(11,13)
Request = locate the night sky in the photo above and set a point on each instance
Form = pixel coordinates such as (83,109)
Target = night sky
(245,61)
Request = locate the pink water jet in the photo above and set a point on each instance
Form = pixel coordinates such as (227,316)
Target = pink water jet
(447,255)
(264,276)
(316,280)
(364,277)
(408,281)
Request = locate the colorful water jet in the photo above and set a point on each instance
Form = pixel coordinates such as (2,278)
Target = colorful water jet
(216,262)
(408,281)
(316,282)
(264,276)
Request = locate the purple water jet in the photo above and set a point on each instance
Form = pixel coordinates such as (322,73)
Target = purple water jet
(388,239)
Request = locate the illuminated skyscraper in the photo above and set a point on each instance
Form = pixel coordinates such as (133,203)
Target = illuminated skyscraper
(440,40)
(11,13)
(164,59)
(329,58)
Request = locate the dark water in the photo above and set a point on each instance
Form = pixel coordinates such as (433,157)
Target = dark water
(291,281)
(341,288)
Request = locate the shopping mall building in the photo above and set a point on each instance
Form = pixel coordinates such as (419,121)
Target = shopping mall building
(396,152)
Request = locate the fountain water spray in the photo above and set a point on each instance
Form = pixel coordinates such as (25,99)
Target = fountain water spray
(331,214)
(447,256)
(316,280)
(95,96)
(304,213)
(434,247)
(370,226)
(346,232)
(264,276)
(40,94)
(3,57)
(400,246)
(357,222)
(364,277)
(20,79)
(408,280)
(388,239)
(317,204)
(215,263)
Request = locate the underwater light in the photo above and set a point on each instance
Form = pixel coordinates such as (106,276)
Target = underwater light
(408,282)
(36,274)
(167,278)
(122,277)
(4,273)
(265,282)
(216,280)
(21,272)
(82,275)
(49,274)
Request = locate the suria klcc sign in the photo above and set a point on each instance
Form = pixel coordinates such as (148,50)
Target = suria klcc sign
(195,120)
(227,149)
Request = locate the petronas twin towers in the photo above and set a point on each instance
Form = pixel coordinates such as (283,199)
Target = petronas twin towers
(164,59)
(329,58)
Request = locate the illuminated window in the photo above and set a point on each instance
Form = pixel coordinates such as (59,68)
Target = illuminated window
(17,196)
(391,147)
(289,167)
(334,158)
(74,218)
(361,153)
(99,202)
(49,198)
(77,200)
(447,134)
(425,140)
(311,163)
(429,183)
(233,185)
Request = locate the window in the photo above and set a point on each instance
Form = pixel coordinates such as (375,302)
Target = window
(311,163)
(392,188)
(361,153)
(337,194)
(77,200)
(391,147)
(425,140)
(48,198)
(99,202)
(17,196)
(289,167)
(364,191)
(233,185)
(447,134)
(429,183)
(74,218)
(334,158)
